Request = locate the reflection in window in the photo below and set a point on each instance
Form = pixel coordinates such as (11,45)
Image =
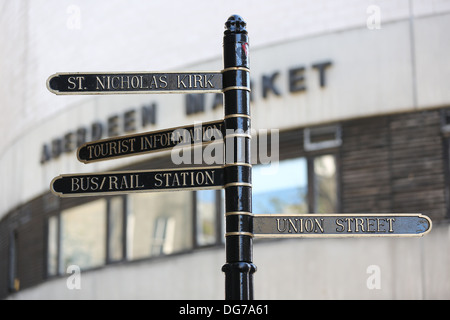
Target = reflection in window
(159,223)
(163,236)
(206,217)
(83,235)
(325,193)
(115,228)
(52,246)
(280,190)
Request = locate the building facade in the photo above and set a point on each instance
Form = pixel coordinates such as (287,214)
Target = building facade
(351,114)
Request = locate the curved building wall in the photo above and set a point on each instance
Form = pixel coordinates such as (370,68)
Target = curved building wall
(367,80)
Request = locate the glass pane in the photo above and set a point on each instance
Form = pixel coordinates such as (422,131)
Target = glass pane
(325,193)
(280,190)
(52,246)
(159,223)
(206,217)
(83,235)
(115,229)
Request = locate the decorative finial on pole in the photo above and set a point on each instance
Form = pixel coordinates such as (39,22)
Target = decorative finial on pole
(235,24)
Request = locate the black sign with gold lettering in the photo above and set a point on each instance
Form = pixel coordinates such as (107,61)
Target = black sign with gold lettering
(135,82)
(147,142)
(339,225)
(96,184)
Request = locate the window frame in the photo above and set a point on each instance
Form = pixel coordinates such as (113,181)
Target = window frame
(312,180)
(219,220)
(108,259)
(56,216)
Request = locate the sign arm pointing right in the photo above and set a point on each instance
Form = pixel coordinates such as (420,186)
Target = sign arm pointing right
(340,225)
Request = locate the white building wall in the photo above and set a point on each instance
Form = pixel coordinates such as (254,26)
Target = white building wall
(45,36)
(397,68)
(295,269)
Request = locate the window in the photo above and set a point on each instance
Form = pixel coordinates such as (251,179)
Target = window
(280,190)
(319,138)
(299,185)
(206,217)
(162,241)
(325,186)
(159,223)
(83,238)
(133,226)
(116,228)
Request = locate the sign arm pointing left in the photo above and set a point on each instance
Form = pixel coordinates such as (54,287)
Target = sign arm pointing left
(109,183)
(135,82)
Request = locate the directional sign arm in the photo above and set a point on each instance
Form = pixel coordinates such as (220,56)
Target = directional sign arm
(148,142)
(340,225)
(135,82)
(96,184)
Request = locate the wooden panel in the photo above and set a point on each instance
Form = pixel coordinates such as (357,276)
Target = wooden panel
(394,163)
(365,176)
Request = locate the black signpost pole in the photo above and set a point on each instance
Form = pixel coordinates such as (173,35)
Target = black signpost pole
(239,268)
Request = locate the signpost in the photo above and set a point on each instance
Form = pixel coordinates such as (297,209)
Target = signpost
(239,268)
(235,176)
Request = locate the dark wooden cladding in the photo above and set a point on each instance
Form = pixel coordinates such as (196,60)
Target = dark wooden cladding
(394,164)
(365,177)
(28,222)
(418,172)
